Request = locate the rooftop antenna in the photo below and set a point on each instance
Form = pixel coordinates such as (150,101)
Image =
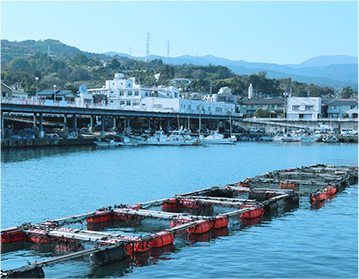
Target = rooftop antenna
(168,52)
(148,47)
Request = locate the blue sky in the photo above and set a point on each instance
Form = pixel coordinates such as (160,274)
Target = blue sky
(275,32)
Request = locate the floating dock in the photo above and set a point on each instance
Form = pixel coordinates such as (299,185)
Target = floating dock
(193,213)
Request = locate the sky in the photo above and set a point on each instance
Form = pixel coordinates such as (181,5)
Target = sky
(282,32)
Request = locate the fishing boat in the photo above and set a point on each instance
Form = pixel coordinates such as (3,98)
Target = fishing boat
(106,142)
(217,138)
(176,138)
(307,138)
(330,139)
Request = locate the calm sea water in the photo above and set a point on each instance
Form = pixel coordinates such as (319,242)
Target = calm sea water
(300,242)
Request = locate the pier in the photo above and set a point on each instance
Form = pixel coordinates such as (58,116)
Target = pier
(193,213)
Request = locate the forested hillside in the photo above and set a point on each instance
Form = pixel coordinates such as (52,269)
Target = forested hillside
(67,67)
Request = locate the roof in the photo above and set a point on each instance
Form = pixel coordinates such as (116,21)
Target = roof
(263,102)
(344,102)
(58,93)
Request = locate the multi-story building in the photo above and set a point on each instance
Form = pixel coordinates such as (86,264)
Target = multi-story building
(304,107)
(338,108)
(275,107)
(124,93)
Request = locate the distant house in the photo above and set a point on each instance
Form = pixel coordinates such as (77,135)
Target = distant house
(61,95)
(304,107)
(337,108)
(7,91)
(275,107)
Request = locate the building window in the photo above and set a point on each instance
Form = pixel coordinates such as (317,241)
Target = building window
(189,107)
(129,85)
(122,93)
(136,93)
(136,103)
(308,107)
(209,108)
(122,103)
(128,103)
(295,107)
(176,95)
(129,93)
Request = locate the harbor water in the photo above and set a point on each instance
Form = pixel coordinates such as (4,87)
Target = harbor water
(301,242)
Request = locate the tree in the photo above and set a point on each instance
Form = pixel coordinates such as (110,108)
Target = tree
(114,65)
(80,59)
(261,113)
(347,93)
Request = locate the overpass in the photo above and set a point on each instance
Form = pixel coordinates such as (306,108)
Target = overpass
(40,111)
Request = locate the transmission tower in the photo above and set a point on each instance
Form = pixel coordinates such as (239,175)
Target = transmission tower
(168,52)
(148,47)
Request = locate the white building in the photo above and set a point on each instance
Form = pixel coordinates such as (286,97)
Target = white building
(124,93)
(304,107)
(250,91)
(84,97)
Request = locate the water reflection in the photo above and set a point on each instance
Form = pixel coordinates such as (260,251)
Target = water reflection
(22,154)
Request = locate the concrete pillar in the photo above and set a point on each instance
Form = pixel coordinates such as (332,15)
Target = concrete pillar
(102,133)
(34,120)
(65,121)
(2,125)
(91,122)
(149,123)
(168,124)
(41,132)
(74,121)
(114,122)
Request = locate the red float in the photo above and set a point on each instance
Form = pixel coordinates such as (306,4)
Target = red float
(244,183)
(11,236)
(100,216)
(177,222)
(219,222)
(189,203)
(39,236)
(331,190)
(252,213)
(162,239)
(172,203)
(317,197)
(201,226)
(288,185)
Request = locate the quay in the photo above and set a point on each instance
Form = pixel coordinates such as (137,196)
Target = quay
(193,213)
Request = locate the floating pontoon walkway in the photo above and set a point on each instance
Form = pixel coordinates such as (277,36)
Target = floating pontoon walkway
(243,200)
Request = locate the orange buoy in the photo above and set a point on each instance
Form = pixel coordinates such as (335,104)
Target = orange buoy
(162,239)
(100,216)
(11,236)
(201,226)
(219,222)
(255,212)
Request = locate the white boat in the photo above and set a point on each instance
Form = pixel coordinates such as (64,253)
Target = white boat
(217,138)
(106,142)
(308,138)
(176,138)
(266,138)
(289,138)
(330,139)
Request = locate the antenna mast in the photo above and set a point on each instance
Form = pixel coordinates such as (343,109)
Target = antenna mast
(148,47)
(168,52)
